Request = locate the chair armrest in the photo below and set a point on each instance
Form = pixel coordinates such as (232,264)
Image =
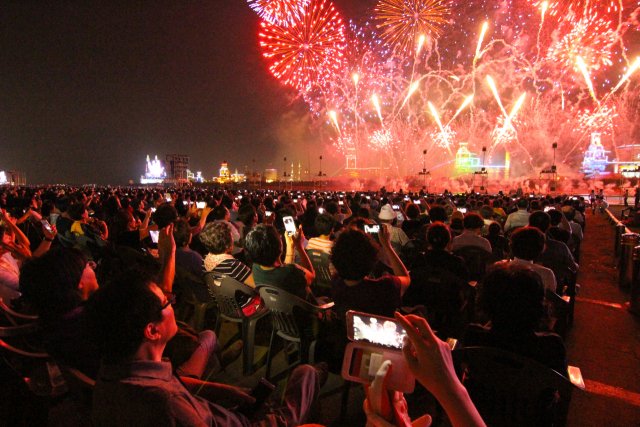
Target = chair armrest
(575,376)
(14,314)
(22,352)
(325,306)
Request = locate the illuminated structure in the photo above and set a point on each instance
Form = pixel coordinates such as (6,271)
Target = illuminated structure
(465,159)
(595,158)
(3,178)
(155,173)
(271,175)
(351,159)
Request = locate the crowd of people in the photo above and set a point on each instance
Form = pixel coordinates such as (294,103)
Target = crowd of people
(118,326)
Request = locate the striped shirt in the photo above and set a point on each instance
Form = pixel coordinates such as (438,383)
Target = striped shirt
(324,246)
(226,264)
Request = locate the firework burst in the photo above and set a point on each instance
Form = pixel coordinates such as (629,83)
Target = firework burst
(404,21)
(600,120)
(307,51)
(382,140)
(590,38)
(279,12)
(343,144)
(443,138)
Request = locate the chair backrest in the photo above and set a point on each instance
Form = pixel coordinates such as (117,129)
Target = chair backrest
(194,284)
(15,317)
(17,332)
(511,390)
(224,290)
(477,260)
(320,261)
(288,312)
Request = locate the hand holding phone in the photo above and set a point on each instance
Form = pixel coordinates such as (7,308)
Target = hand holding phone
(154,235)
(289,225)
(46,226)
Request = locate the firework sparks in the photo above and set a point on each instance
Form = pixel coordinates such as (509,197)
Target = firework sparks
(279,12)
(376,104)
(308,50)
(583,68)
(590,38)
(443,138)
(381,140)
(334,120)
(631,70)
(343,144)
(405,20)
(482,33)
(496,95)
(413,88)
(435,115)
(600,120)
(462,107)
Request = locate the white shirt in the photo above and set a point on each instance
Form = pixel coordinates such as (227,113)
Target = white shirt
(517,219)
(9,278)
(548,278)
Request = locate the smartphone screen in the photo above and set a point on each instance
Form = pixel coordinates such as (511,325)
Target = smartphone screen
(341,202)
(374,329)
(463,210)
(46,225)
(321,210)
(372,229)
(268,213)
(201,205)
(153,209)
(395,207)
(418,202)
(289,225)
(154,235)
(400,216)
(548,208)
(184,202)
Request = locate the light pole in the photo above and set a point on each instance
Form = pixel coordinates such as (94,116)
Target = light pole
(320,174)
(424,172)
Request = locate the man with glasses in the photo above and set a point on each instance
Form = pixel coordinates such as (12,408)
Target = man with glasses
(131,322)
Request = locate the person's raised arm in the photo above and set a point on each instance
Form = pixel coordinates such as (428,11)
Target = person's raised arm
(45,245)
(295,243)
(20,238)
(429,359)
(348,212)
(398,267)
(167,256)
(203,220)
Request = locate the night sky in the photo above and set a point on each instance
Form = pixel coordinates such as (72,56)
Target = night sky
(88,89)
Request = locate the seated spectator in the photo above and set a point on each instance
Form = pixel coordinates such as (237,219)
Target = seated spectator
(125,231)
(388,218)
(218,241)
(456,223)
(222,214)
(93,228)
(520,218)
(14,250)
(354,255)
(556,231)
(334,209)
(264,248)
(131,321)
(473,224)
(499,243)
(527,244)
(186,258)
(412,223)
(437,256)
(438,214)
(247,219)
(555,252)
(576,229)
(486,213)
(512,296)
(324,225)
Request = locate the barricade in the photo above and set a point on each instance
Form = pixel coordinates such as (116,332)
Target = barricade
(634,297)
(620,230)
(629,242)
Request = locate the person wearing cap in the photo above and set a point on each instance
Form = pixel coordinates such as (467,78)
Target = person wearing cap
(388,217)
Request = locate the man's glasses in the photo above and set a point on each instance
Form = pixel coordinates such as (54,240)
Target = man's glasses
(169,302)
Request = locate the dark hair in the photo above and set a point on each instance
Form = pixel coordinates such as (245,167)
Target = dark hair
(540,220)
(438,214)
(164,215)
(494,229)
(522,203)
(47,208)
(181,233)
(324,224)
(246,214)
(119,224)
(117,315)
(473,221)
(412,210)
(555,217)
(527,243)
(512,296)
(486,212)
(63,203)
(76,211)
(438,235)
(50,282)
(216,237)
(263,245)
(331,208)
(353,255)
(220,212)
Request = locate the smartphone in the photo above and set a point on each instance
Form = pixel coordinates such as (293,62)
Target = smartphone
(548,208)
(368,197)
(91,214)
(341,202)
(184,202)
(289,225)
(375,329)
(418,202)
(46,225)
(400,216)
(295,200)
(201,205)
(321,210)
(154,235)
(153,209)
(463,210)
(372,229)
(261,393)
(395,207)
(268,213)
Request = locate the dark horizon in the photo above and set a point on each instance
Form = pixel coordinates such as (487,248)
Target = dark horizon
(89,90)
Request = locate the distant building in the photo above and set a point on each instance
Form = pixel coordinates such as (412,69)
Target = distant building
(178,167)
(271,175)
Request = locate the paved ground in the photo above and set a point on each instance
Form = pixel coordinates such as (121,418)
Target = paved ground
(604,343)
